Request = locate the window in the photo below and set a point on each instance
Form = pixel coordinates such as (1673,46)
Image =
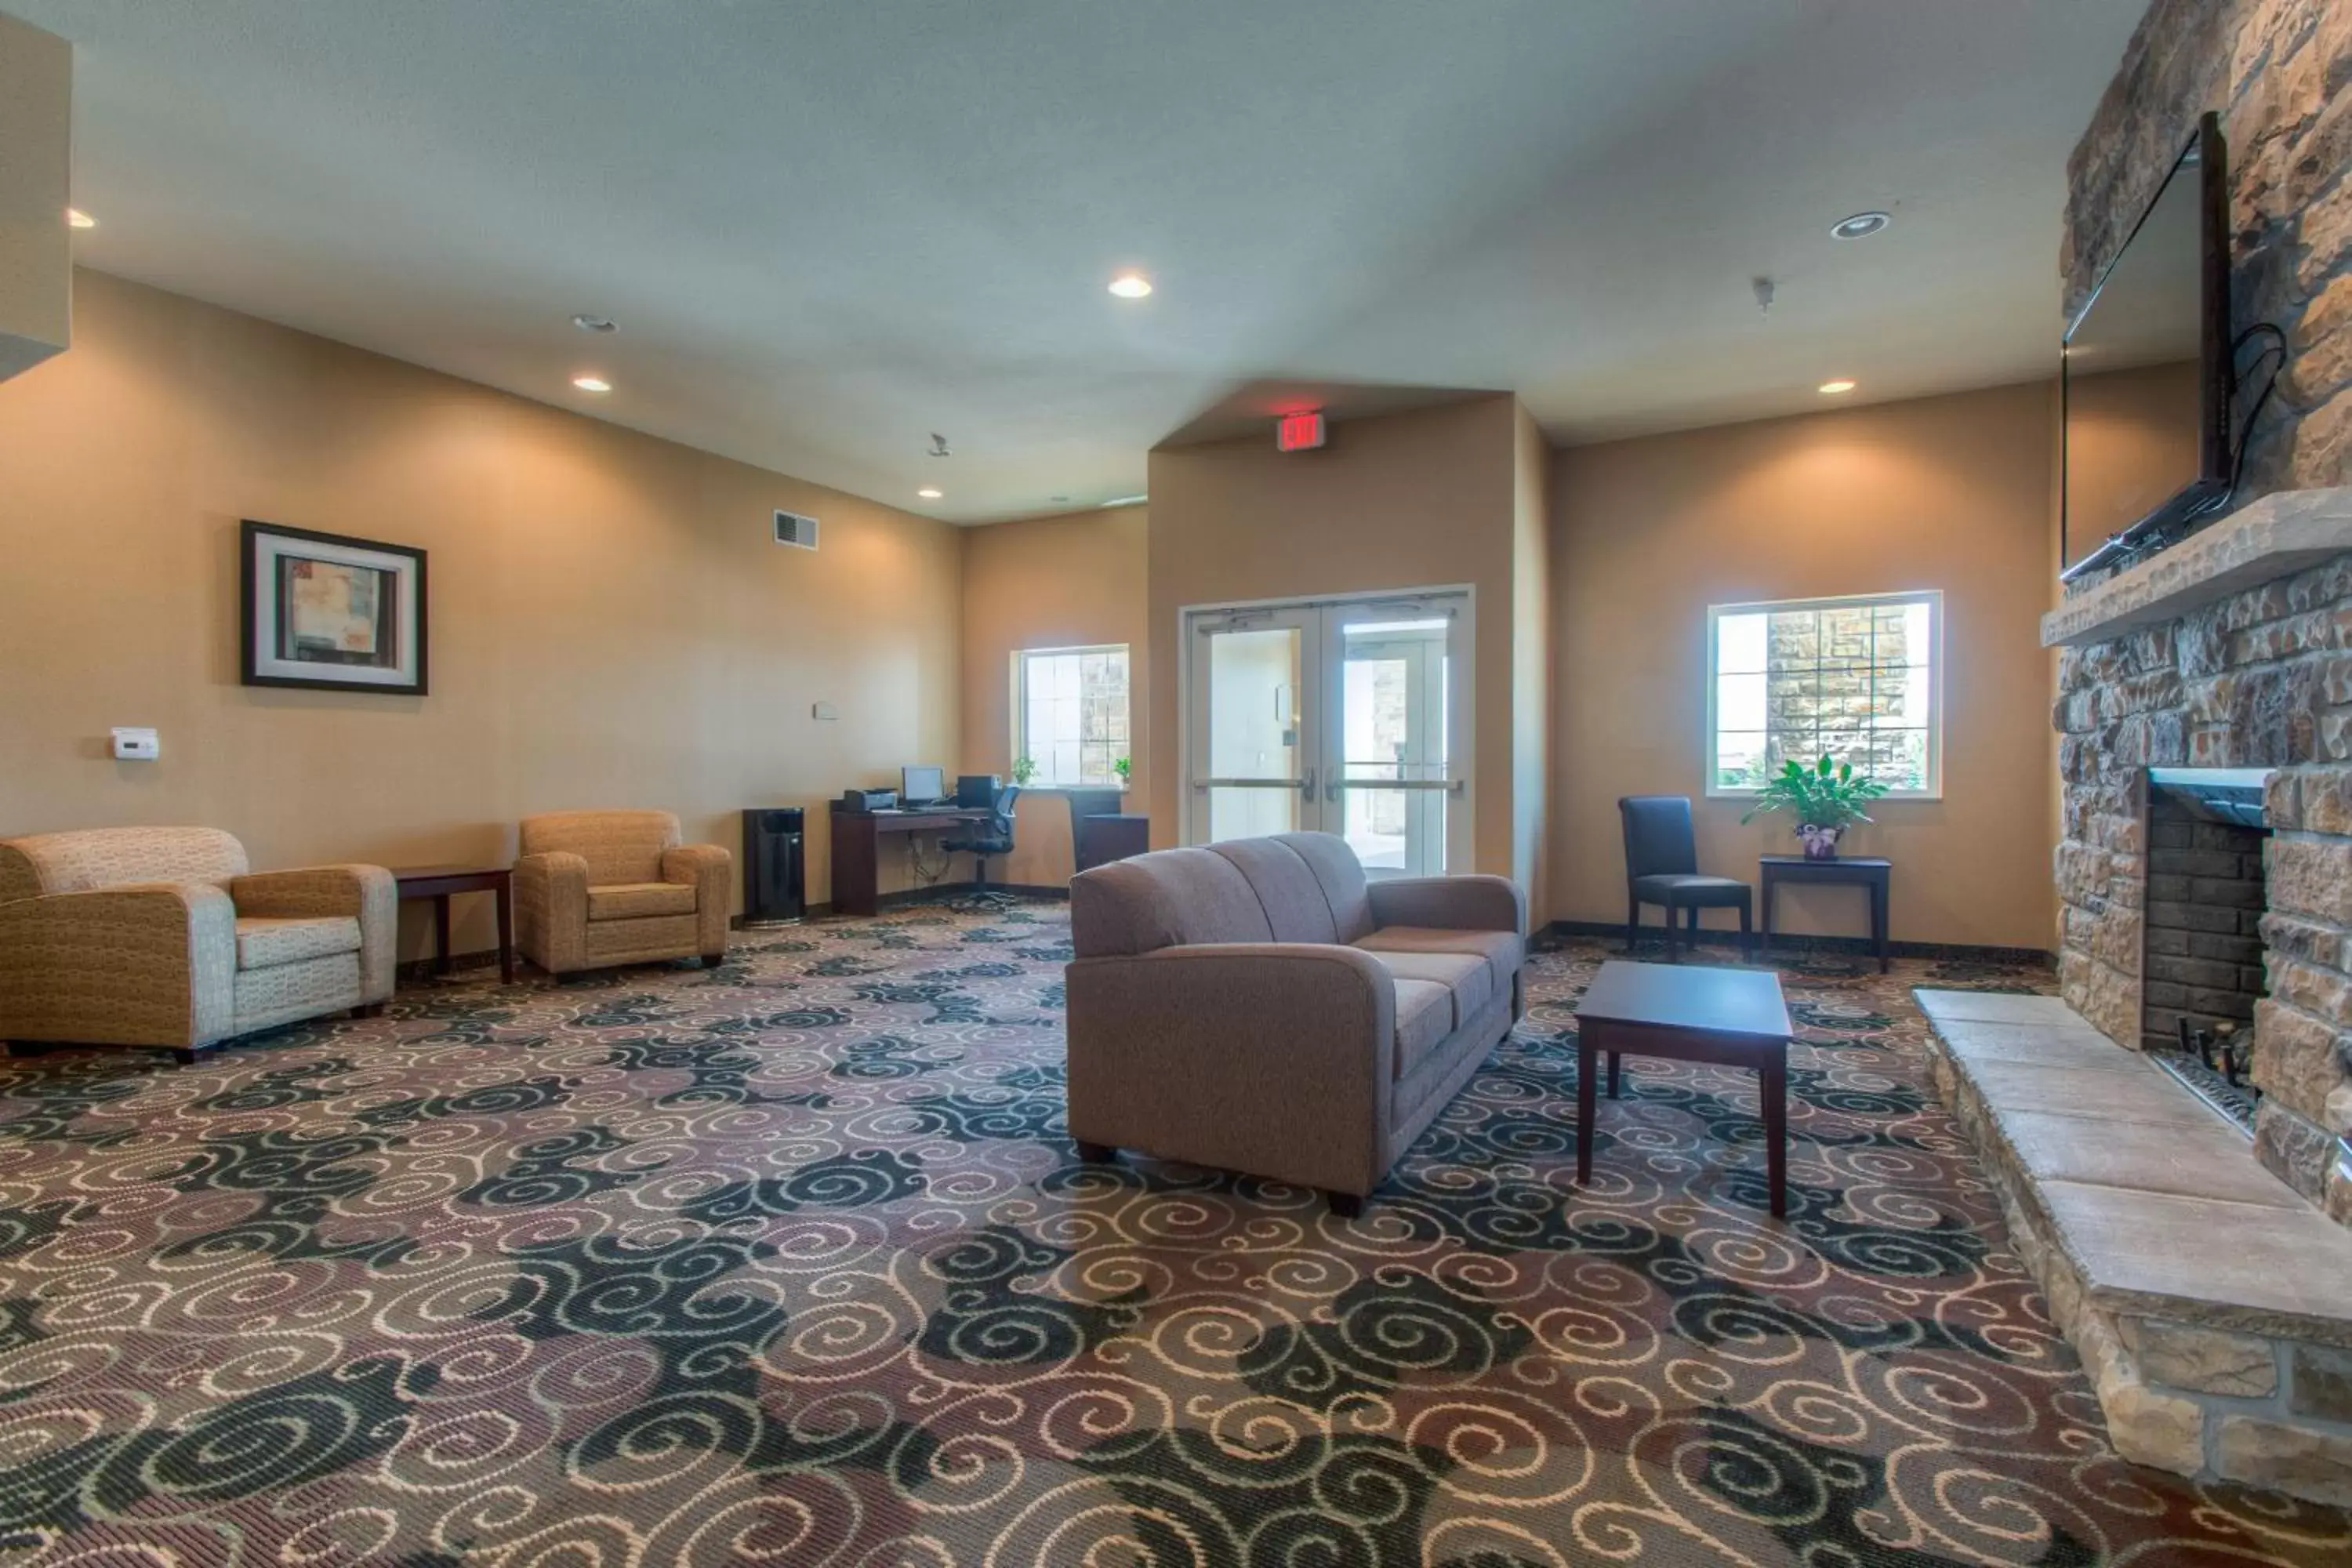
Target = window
(1069,714)
(1861,680)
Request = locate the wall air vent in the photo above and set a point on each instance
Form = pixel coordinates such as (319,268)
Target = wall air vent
(794,529)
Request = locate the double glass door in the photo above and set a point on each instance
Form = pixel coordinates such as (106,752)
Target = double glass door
(1346,716)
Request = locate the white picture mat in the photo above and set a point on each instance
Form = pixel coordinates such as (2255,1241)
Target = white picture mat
(267,549)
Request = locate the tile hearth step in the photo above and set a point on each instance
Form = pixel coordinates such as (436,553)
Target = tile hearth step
(2210,1303)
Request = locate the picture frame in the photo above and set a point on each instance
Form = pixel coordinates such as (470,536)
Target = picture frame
(326,612)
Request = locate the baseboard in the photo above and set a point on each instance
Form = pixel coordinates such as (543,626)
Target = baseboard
(945,893)
(1784,942)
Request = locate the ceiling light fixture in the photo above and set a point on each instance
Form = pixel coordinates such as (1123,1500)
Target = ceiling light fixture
(1125,500)
(1860,226)
(930,492)
(1130,286)
(1835,387)
(77,218)
(591,384)
(588,323)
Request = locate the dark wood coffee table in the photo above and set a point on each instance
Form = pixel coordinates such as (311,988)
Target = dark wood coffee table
(1682,1012)
(438,882)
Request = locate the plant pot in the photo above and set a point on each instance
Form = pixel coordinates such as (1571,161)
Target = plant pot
(1821,843)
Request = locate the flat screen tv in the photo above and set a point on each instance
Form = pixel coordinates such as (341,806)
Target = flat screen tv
(2146,375)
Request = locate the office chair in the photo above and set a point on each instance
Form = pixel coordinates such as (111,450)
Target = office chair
(1661,867)
(997,840)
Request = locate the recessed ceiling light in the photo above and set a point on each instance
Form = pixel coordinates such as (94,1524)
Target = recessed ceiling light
(591,384)
(1859,225)
(930,492)
(588,323)
(1835,387)
(1131,285)
(77,218)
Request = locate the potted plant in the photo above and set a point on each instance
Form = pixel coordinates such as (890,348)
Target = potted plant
(1024,770)
(1825,798)
(1123,768)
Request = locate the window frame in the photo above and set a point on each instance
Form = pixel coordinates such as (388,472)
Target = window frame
(1932,597)
(1020,705)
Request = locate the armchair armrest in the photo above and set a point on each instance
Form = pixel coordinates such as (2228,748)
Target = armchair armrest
(712,870)
(145,963)
(1450,903)
(365,893)
(1270,1057)
(551,910)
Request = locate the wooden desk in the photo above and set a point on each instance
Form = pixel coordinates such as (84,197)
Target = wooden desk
(858,839)
(1731,1017)
(1105,837)
(438,882)
(1865,871)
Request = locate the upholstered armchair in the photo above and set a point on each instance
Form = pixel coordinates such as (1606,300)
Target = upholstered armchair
(595,888)
(164,936)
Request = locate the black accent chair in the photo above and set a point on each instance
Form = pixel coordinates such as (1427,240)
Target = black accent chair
(1661,867)
(1084,806)
(995,836)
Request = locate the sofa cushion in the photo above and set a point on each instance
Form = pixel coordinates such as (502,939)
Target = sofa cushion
(1503,951)
(635,901)
(267,943)
(1467,980)
(1169,897)
(1342,876)
(1425,1017)
(1285,885)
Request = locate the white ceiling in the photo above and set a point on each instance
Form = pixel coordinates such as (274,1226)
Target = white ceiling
(830,227)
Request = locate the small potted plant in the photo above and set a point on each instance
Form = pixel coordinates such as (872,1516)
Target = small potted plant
(1123,768)
(1024,770)
(1825,799)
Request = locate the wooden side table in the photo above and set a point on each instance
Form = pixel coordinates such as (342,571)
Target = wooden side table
(438,882)
(1865,871)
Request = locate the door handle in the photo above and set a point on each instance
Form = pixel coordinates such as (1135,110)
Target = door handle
(1306,785)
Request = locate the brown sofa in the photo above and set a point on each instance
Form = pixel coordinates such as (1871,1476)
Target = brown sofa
(1260,1007)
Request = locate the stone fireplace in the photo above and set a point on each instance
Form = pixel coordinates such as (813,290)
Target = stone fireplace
(2208,829)
(2196,661)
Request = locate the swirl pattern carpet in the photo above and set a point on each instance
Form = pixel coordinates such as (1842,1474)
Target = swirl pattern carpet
(791,1263)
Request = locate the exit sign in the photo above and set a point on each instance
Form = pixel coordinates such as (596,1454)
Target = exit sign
(1299,432)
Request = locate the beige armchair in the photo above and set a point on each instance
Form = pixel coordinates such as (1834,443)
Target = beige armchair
(595,888)
(162,936)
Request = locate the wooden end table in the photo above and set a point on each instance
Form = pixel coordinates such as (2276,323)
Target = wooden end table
(1865,871)
(438,882)
(1681,1012)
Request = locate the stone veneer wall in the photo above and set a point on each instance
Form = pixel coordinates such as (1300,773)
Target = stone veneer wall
(2263,678)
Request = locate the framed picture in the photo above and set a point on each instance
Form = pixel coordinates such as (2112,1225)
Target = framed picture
(331,613)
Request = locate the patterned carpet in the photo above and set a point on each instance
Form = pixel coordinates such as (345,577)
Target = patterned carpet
(792,1263)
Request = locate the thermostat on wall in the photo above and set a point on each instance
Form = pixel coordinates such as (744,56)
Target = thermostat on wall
(137,746)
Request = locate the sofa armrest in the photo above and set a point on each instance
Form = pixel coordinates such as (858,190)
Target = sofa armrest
(551,910)
(1273,1059)
(712,870)
(365,893)
(1450,903)
(145,963)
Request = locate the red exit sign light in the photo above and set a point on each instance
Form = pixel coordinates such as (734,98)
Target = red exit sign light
(1299,432)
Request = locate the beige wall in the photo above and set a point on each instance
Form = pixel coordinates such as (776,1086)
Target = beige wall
(1404,500)
(1946,492)
(611,623)
(36,182)
(1073,580)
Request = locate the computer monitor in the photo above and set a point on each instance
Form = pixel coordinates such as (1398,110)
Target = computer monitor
(921,786)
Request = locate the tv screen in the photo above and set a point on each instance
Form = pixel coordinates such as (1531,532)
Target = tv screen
(921,786)
(2147,367)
